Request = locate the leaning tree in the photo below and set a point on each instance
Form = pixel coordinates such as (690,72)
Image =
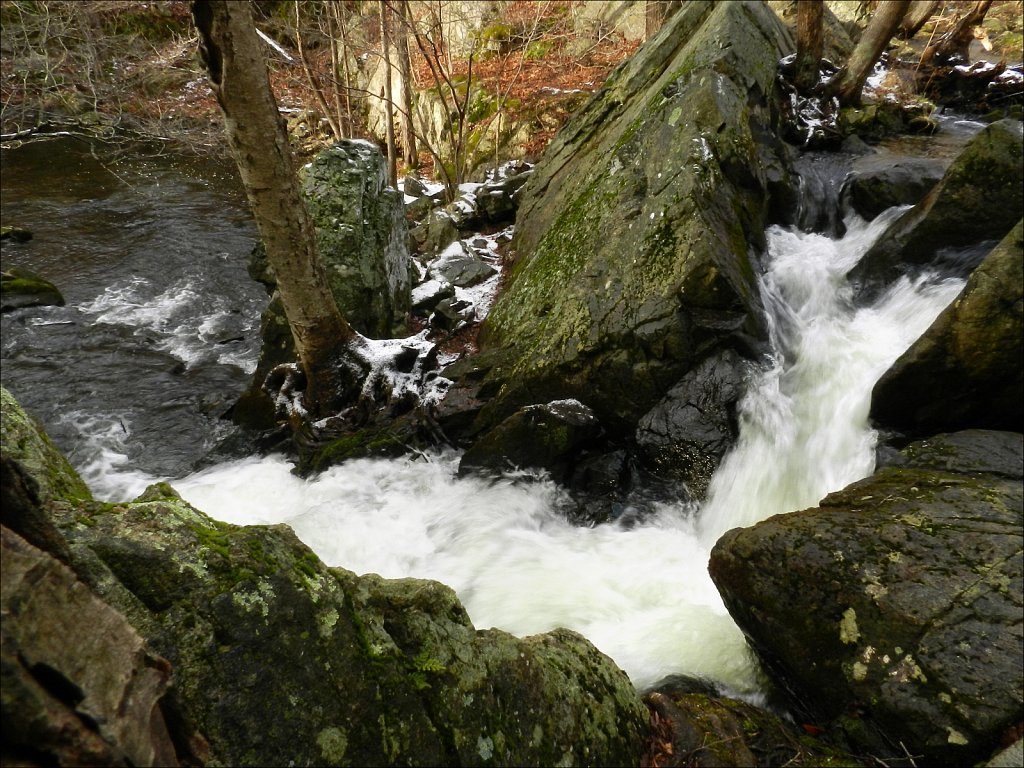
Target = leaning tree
(325,343)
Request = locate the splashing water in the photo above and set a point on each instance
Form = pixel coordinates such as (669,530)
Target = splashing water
(642,594)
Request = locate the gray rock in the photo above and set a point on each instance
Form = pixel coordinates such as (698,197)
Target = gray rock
(1010,757)
(460,267)
(685,435)
(361,234)
(427,295)
(967,370)
(979,198)
(905,182)
(548,436)
(437,231)
(635,232)
(894,609)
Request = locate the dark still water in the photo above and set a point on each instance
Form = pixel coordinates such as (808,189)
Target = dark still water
(160,331)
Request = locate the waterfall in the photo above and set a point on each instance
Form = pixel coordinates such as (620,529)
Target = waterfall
(641,594)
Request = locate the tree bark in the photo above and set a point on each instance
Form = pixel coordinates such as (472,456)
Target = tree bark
(405,68)
(849,83)
(389,101)
(810,16)
(920,11)
(956,42)
(238,76)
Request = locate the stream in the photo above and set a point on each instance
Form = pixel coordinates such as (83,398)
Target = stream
(160,333)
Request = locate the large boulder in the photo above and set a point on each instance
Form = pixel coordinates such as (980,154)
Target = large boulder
(979,199)
(361,234)
(686,434)
(894,609)
(635,233)
(80,686)
(281,660)
(967,370)
(363,241)
(877,183)
(277,659)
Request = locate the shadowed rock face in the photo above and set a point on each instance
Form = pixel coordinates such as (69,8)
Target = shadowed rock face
(967,370)
(80,687)
(276,658)
(979,198)
(634,234)
(894,608)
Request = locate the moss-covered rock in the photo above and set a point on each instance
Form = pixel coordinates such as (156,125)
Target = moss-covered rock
(897,613)
(979,198)
(634,233)
(80,687)
(22,288)
(967,370)
(23,440)
(278,659)
(701,730)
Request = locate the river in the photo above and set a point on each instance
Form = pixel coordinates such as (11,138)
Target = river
(159,335)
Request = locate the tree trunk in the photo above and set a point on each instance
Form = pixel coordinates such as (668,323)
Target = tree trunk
(405,67)
(956,42)
(920,11)
(849,83)
(389,101)
(238,76)
(810,16)
(655,13)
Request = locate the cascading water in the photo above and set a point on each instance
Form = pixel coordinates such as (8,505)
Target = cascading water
(122,376)
(642,593)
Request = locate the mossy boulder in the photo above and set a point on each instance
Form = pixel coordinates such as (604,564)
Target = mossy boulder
(884,184)
(979,199)
(23,288)
(278,659)
(707,730)
(24,441)
(635,232)
(362,236)
(894,609)
(967,370)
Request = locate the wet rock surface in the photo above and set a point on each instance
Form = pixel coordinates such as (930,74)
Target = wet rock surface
(967,370)
(897,617)
(278,659)
(979,199)
(635,231)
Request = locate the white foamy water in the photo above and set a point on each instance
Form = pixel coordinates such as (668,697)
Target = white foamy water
(641,594)
(185,321)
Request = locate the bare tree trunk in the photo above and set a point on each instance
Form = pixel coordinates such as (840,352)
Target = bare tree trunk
(920,11)
(238,76)
(405,67)
(341,70)
(849,83)
(956,42)
(655,13)
(389,113)
(810,16)
(313,81)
